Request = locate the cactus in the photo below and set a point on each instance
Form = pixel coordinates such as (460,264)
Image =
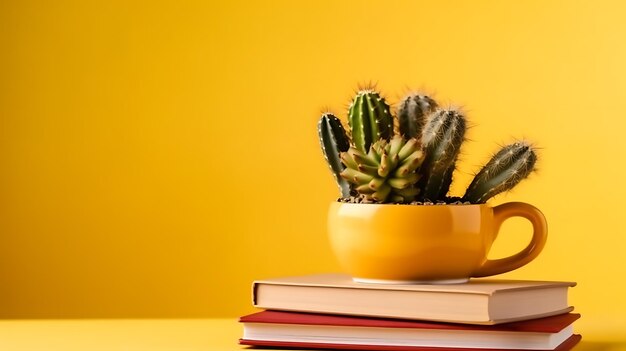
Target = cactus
(419,162)
(506,168)
(412,113)
(333,140)
(369,119)
(442,137)
(386,172)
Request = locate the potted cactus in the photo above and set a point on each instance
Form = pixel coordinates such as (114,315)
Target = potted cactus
(388,167)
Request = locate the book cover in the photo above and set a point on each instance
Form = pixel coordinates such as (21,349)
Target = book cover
(553,324)
(303,330)
(479,301)
(565,346)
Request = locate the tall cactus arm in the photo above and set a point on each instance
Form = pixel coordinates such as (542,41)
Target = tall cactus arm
(334,141)
(442,137)
(447,182)
(509,166)
(412,112)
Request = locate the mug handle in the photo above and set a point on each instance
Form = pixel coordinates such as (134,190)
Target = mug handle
(538,241)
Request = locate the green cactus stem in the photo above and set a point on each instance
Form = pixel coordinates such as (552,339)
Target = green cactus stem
(334,141)
(412,113)
(369,119)
(387,173)
(509,166)
(442,137)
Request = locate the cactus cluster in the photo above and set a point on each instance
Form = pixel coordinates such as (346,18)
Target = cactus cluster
(387,171)
(411,156)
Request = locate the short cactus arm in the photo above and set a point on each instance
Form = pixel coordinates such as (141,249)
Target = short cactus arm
(442,137)
(412,113)
(509,166)
(334,141)
(369,119)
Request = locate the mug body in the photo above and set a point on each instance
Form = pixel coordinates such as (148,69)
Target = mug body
(388,243)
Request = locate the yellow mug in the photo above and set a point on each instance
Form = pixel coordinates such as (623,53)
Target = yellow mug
(405,244)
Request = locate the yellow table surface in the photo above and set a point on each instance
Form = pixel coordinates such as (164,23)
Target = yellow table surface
(155,335)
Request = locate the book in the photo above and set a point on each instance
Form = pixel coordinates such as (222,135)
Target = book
(479,301)
(305,330)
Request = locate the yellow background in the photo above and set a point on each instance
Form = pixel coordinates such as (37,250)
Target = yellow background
(156,157)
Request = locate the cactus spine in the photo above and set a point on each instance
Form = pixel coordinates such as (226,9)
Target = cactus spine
(442,137)
(386,172)
(412,113)
(369,119)
(333,140)
(506,168)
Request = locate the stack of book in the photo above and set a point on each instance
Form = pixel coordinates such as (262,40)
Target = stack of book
(330,311)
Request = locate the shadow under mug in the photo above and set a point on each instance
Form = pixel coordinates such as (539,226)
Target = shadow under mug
(404,244)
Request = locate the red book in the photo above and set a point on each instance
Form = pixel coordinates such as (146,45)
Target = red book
(304,330)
